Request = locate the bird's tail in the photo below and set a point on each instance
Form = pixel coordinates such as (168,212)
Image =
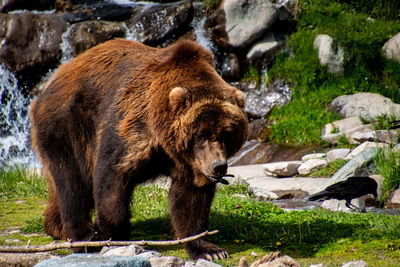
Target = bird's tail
(318,196)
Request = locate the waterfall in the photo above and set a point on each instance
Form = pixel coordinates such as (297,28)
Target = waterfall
(14,124)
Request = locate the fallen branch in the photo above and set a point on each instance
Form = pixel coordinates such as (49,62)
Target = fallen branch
(83,244)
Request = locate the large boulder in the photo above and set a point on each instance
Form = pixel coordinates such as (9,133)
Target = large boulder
(391,49)
(158,22)
(368,106)
(30,40)
(248,20)
(330,54)
(84,35)
(238,23)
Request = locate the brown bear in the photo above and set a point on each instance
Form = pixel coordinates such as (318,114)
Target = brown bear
(122,113)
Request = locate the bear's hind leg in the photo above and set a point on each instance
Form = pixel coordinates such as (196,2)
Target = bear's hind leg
(190,209)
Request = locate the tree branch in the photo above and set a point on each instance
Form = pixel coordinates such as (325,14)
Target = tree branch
(83,244)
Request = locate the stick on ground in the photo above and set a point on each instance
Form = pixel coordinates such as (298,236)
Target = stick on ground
(83,244)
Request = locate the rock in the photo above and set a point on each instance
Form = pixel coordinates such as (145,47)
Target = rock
(379,180)
(387,136)
(274,260)
(291,194)
(359,263)
(150,254)
(333,138)
(335,154)
(283,169)
(23,259)
(260,102)
(368,106)
(30,40)
(313,156)
(348,124)
(190,264)
(361,164)
(311,165)
(167,261)
(262,194)
(365,146)
(235,181)
(391,49)
(84,35)
(131,250)
(340,205)
(394,200)
(248,20)
(230,68)
(160,21)
(358,132)
(9,5)
(329,53)
(263,52)
(361,137)
(206,263)
(97,11)
(69,5)
(318,265)
(94,260)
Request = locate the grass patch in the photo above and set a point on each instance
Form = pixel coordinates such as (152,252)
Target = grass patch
(329,170)
(313,87)
(21,182)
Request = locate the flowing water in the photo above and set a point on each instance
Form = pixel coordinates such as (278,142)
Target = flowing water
(14,123)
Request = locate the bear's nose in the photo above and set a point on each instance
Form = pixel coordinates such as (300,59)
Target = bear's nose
(220,167)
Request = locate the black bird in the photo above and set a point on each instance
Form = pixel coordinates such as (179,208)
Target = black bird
(353,187)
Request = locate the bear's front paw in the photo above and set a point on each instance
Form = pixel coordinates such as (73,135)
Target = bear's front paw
(205,250)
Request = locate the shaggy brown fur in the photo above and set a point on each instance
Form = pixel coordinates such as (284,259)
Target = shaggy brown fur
(122,113)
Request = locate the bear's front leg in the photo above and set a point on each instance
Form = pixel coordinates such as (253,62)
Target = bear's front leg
(190,209)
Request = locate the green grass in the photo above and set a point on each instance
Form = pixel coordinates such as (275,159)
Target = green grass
(313,87)
(329,170)
(245,226)
(21,182)
(388,165)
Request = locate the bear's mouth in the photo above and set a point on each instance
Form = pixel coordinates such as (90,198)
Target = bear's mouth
(220,179)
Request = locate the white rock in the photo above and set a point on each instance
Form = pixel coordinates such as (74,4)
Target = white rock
(266,46)
(131,250)
(328,129)
(387,136)
(329,53)
(150,254)
(368,106)
(347,124)
(335,154)
(311,165)
(166,261)
(313,156)
(391,49)
(283,168)
(206,263)
(190,264)
(246,21)
(361,137)
(318,265)
(364,146)
(340,205)
(359,263)
(332,138)
(262,194)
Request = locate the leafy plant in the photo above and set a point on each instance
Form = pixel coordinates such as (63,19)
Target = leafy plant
(388,165)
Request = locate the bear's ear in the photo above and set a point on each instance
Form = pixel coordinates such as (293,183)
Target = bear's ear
(240,98)
(177,96)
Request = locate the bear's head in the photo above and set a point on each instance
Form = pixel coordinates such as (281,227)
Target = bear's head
(196,116)
(208,133)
